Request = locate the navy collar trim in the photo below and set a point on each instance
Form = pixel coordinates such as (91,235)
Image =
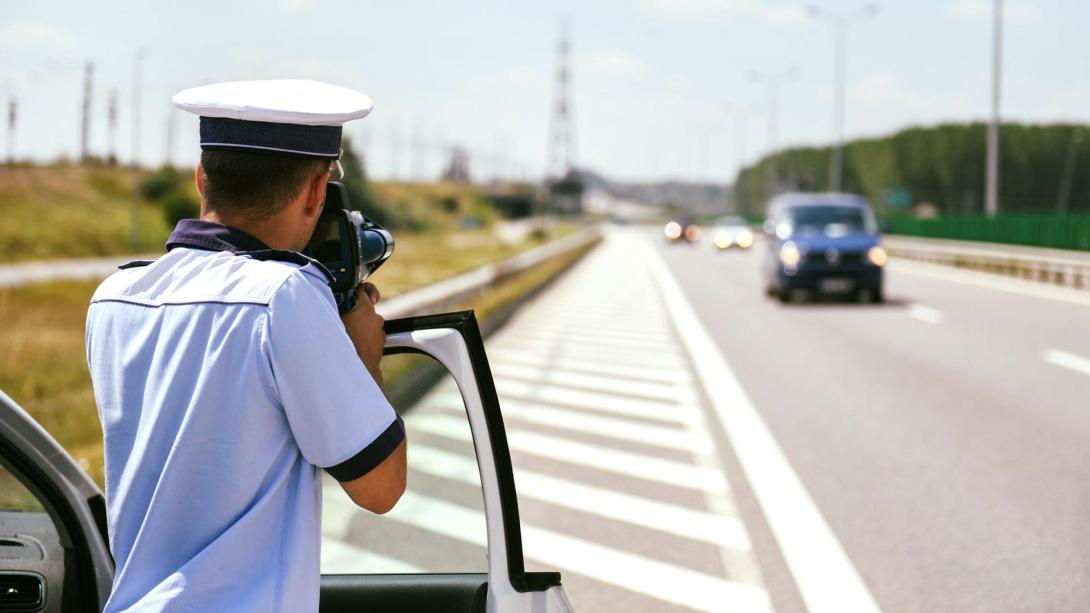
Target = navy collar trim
(211,236)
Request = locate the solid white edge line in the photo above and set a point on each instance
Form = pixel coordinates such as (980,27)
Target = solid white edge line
(823,573)
(1067,360)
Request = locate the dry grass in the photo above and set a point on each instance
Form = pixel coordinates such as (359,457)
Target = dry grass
(68,211)
(43,365)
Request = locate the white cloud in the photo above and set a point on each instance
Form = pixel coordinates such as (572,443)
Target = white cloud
(785,13)
(698,10)
(612,64)
(1069,104)
(22,34)
(1018,10)
(294,7)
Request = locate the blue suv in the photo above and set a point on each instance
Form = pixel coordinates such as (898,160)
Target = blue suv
(823,242)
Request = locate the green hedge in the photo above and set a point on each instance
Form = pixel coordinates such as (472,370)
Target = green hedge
(1055,231)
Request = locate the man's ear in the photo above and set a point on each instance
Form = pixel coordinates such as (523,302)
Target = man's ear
(199,178)
(316,194)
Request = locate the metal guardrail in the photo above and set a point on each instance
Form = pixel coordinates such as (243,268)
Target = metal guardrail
(458,290)
(84,269)
(436,297)
(1052,266)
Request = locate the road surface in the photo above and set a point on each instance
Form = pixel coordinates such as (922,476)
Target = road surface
(683,443)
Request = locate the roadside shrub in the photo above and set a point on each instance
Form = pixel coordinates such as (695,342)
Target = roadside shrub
(159,184)
(178,205)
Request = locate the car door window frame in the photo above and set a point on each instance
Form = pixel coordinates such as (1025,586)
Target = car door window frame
(468,363)
(70,498)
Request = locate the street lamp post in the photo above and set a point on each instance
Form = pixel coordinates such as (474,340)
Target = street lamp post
(840,22)
(741,116)
(1069,171)
(134,209)
(991,181)
(772,83)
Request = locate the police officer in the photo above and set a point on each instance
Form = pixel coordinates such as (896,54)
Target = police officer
(225,378)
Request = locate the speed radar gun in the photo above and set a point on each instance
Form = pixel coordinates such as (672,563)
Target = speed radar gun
(348,244)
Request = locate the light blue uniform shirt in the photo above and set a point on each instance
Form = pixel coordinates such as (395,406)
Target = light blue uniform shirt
(223,383)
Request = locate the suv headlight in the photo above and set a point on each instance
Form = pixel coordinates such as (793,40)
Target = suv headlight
(877,256)
(789,254)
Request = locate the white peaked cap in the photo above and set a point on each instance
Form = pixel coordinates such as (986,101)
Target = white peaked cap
(297,101)
(284,116)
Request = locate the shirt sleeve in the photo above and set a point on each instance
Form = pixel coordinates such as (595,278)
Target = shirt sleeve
(337,413)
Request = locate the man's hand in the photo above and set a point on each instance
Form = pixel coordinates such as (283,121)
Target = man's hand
(364,327)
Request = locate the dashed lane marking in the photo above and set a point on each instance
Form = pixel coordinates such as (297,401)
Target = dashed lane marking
(924,313)
(1067,360)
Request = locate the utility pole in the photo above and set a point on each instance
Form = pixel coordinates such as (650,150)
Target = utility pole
(416,152)
(395,151)
(561,154)
(772,82)
(134,209)
(111,127)
(991,181)
(564,188)
(11,130)
(840,22)
(168,137)
(85,116)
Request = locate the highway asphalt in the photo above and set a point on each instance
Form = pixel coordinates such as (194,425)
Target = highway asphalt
(681,442)
(944,436)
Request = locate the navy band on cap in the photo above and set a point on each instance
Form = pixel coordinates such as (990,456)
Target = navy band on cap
(277,138)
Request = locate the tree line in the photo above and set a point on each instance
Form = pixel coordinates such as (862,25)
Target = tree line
(1044,169)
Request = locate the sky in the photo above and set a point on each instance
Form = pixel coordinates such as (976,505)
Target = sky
(660,89)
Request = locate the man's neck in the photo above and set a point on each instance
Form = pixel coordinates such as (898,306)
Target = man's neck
(268,231)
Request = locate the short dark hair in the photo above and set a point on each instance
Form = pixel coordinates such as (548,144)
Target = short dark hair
(256,184)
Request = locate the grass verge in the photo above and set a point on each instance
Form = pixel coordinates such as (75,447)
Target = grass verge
(44,367)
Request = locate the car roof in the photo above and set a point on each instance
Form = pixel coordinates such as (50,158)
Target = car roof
(795,199)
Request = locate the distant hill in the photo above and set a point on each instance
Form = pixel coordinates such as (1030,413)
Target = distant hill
(695,198)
